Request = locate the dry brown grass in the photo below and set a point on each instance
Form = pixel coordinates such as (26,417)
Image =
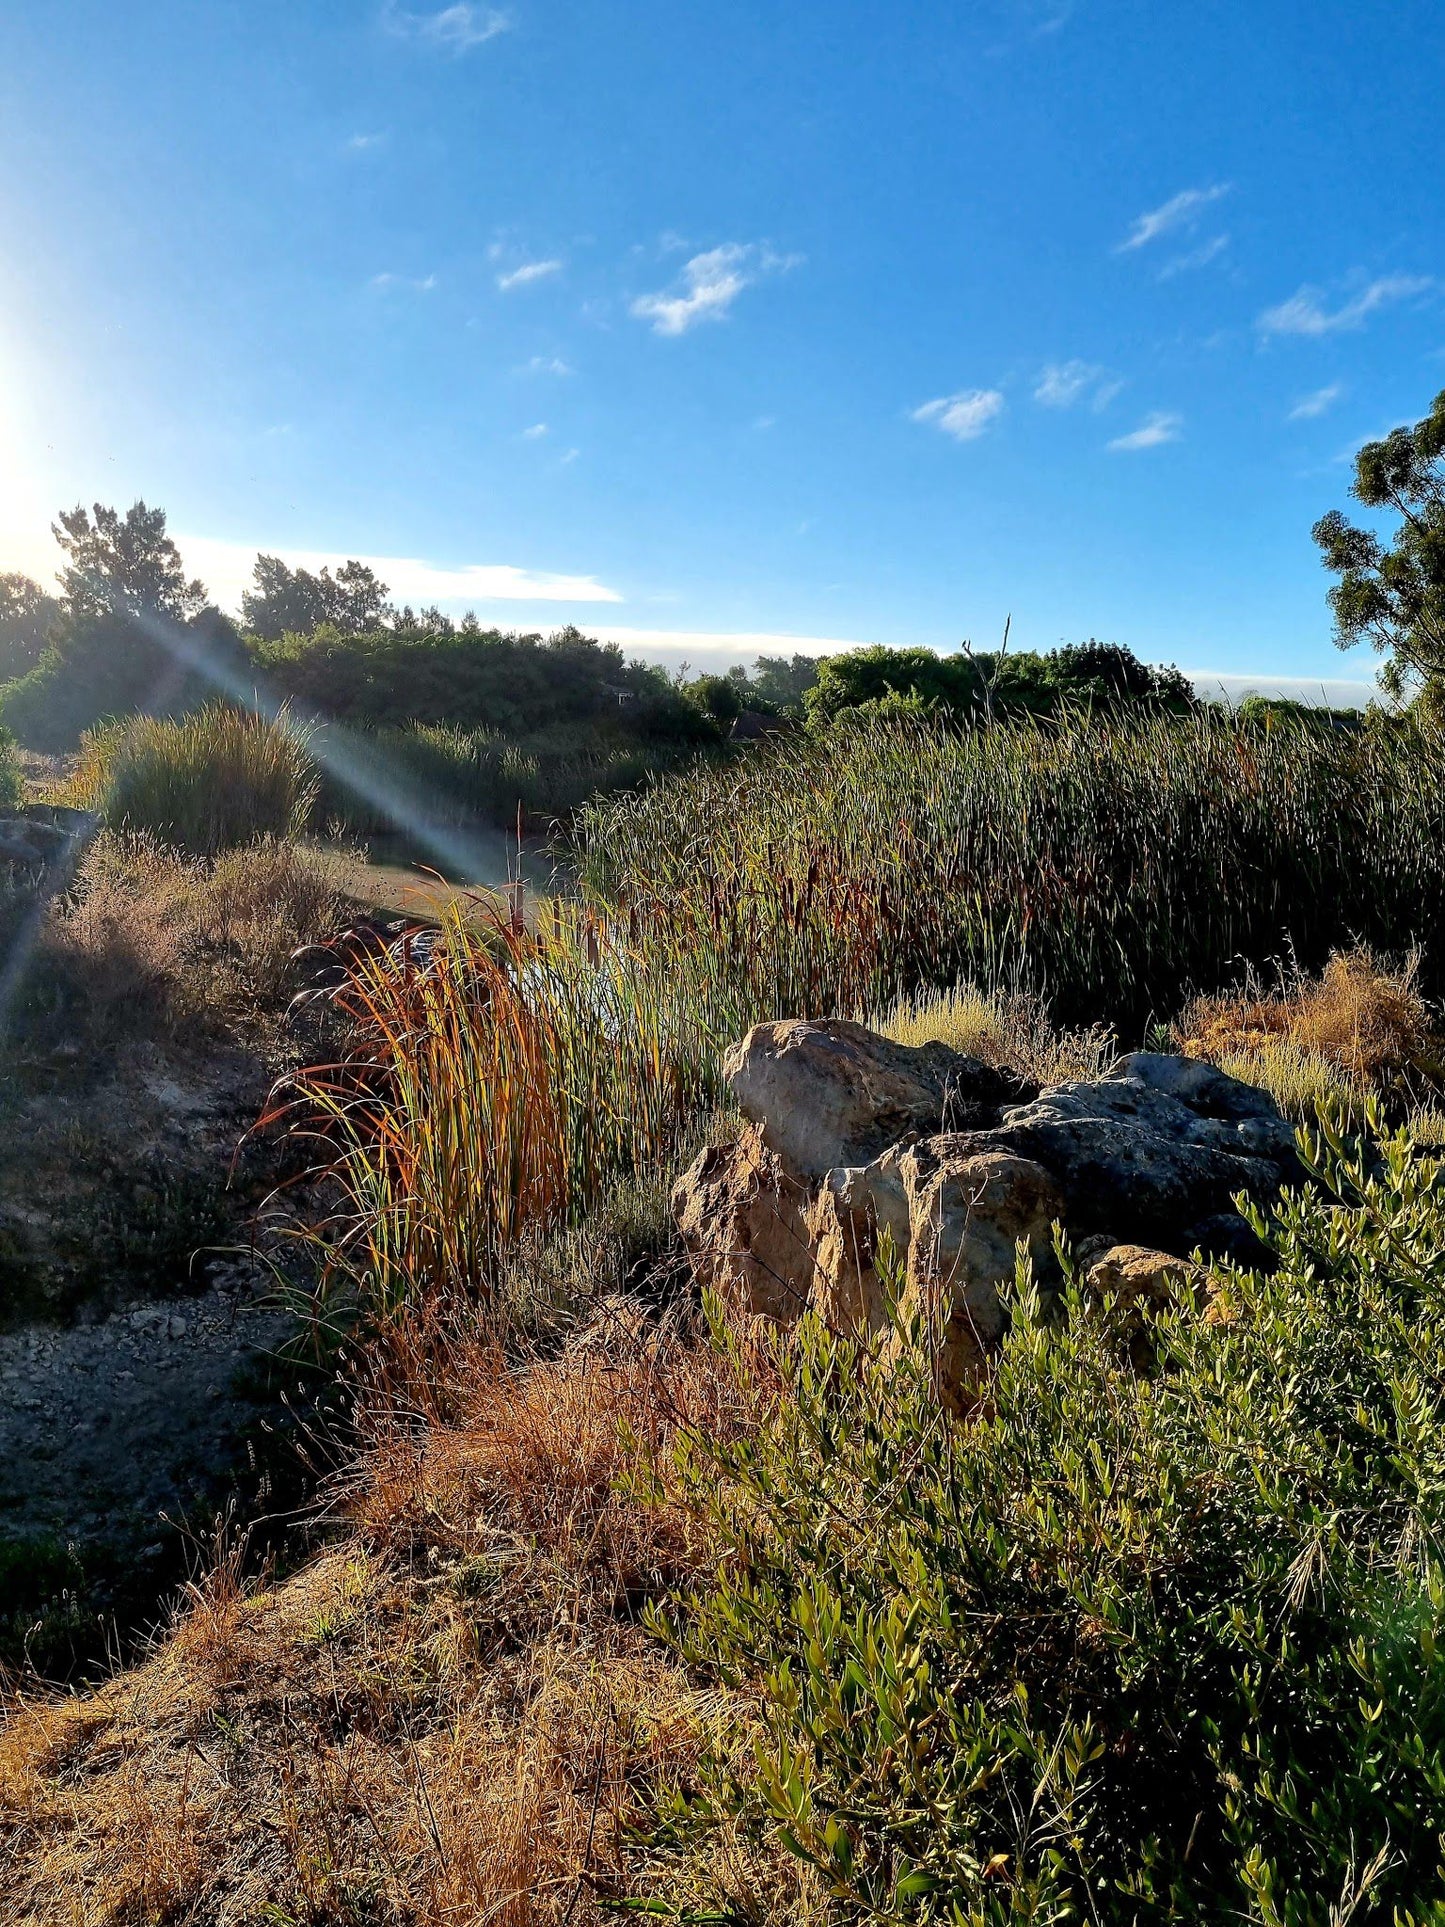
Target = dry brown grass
(154,940)
(1360,1028)
(450,1718)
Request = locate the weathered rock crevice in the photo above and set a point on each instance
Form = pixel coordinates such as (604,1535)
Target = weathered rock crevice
(852,1142)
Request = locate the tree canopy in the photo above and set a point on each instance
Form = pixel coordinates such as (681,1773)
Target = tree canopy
(1392,595)
(27,615)
(289,601)
(969,686)
(123,565)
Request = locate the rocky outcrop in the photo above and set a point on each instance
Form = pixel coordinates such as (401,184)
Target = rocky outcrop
(856,1146)
(40,835)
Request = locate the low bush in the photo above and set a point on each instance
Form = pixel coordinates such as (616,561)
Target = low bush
(209,782)
(10,782)
(1127,1646)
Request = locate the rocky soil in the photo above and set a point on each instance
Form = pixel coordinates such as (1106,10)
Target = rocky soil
(107,1427)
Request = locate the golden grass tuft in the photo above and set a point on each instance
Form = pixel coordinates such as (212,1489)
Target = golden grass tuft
(150,938)
(1009,1032)
(1361,1026)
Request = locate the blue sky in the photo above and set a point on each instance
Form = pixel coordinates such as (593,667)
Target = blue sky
(846,322)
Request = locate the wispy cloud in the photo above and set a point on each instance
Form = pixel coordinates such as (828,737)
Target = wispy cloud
(527,273)
(1063,384)
(1318,403)
(227,566)
(965,416)
(1305,313)
(453,29)
(360,143)
(1199,257)
(422,284)
(1152,432)
(546,365)
(1182,211)
(535,432)
(711,283)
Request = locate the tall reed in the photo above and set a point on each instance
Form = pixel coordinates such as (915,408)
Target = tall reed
(497,1081)
(1110,865)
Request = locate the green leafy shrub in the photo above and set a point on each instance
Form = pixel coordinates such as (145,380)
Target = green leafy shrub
(1125,1647)
(210,782)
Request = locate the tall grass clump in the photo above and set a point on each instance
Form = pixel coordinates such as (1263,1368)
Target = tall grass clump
(1111,865)
(496,1083)
(211,781)
(1131,1645)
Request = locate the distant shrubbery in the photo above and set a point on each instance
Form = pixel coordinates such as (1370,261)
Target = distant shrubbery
(10,785)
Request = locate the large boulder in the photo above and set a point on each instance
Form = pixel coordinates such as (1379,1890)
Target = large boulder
(743,1220)
(856,1144)
(829,1094)
(972,1212)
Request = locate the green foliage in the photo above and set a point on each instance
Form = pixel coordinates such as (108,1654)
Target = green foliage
(124,565)
(115,664)
(780,684)
(861,676)
(294,601)
(1126,1646)
(11,787)
(475,679)
(1111,864)
(979,686)
(27,615)
(459,775)
(1393,597)
(212,781)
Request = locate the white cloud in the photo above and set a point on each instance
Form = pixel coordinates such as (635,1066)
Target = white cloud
(1322,399)
(1182,211)
(546,365)
(359,143)
(1305,313)
(570,457)
(422,285)
(454,29)
(535,432)
(1152,432)
(1063,383)
(527,273)
(1334,692)
(965,415)
(1199,257)
(711,282)
(225,568)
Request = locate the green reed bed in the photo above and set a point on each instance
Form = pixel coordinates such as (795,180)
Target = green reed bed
(1111,866)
